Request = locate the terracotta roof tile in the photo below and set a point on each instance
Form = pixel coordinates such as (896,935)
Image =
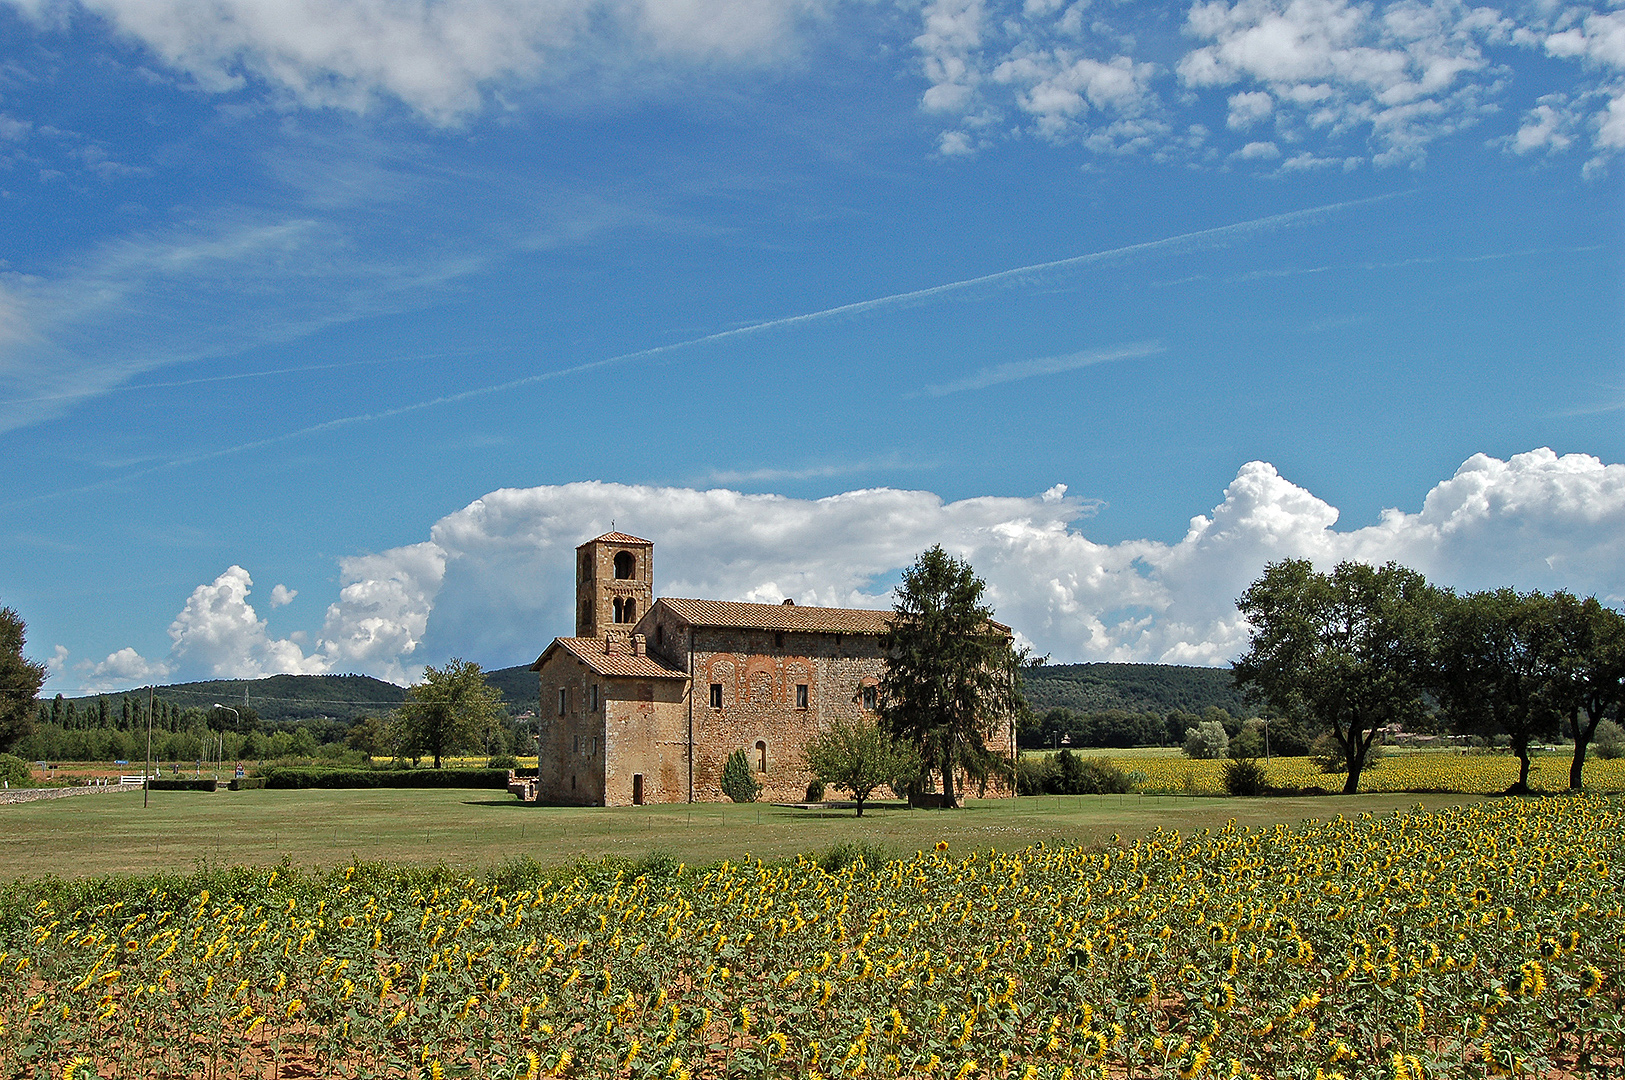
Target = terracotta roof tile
(617,538)
(724,613)
(623,663)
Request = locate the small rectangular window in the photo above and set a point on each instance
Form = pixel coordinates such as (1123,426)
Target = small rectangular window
(801,695)
(716,695)
(594,696)
(578,744)
(870,698)
(564,700)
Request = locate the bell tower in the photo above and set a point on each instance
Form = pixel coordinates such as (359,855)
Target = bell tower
(614,584)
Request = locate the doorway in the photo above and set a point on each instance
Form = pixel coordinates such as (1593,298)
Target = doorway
(637,789)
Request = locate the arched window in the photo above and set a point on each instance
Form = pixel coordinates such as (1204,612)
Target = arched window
(618,614)
(761,756)
(626,566)
(629,610)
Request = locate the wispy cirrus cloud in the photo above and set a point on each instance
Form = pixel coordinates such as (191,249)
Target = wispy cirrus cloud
(1016,370)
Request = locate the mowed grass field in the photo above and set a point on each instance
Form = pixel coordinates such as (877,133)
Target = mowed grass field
(112,833)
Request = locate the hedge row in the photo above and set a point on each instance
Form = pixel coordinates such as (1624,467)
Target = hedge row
(246,783)
(292,777)
(158,784)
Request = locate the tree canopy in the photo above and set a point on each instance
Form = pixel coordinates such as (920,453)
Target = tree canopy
(1348,651)
(1497,654)
(953,675)
(20,680)
(859,756)
(453,708)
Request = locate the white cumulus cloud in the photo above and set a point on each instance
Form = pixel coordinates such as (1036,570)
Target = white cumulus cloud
(495,580)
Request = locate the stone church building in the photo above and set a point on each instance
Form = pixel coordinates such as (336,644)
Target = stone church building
(649,698)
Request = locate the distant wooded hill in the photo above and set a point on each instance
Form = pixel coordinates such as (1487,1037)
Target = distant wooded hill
(1084,688)
(1137,688)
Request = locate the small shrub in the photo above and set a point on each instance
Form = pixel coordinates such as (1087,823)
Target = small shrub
(1245,776)
(815,790)
(1609,741)
(738,782)
(502,761)
(14,771)
(848,853)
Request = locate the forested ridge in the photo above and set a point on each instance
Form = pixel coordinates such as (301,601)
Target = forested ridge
(1158,688)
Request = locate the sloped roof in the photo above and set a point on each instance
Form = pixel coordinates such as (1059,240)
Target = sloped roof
(825,620)
(618,664)
(617,538)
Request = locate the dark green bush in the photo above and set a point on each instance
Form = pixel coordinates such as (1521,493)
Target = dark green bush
(1245,776)
(848,853)
(738,782)
(1070,774)
(815,790)
(502,761)
(384,778)
(14,771)
(158,783)
(246,783)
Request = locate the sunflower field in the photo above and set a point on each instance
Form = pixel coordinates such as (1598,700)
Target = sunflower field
(1481,940)
(1430,771)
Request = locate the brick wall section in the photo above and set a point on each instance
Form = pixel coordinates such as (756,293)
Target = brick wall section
(759,680)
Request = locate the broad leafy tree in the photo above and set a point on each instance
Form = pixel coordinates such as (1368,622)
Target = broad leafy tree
(859,756)
(1498,659)
(453,708)
(1589,677)
(1347,652)
(953,675)
(20,680)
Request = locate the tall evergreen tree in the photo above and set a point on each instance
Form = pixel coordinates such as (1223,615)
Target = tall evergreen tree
(953,675)
(20,680)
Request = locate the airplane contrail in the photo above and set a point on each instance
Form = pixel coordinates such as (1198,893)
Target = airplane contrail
(1220,232)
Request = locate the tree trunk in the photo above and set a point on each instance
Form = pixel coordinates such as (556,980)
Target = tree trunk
(1583,734)
(1522,785)
(860,806)
(948,799)
(1354,751)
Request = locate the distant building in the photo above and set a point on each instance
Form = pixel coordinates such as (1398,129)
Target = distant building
(650,697)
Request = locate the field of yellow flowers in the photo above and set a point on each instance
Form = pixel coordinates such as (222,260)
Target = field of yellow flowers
(1479,940)
(1431,771)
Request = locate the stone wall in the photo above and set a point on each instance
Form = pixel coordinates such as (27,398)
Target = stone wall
(647,736)
(759,672)
(570,744)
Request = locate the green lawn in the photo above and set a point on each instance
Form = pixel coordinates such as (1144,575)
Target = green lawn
(101,834)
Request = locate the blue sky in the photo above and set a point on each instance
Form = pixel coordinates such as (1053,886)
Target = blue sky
(327,330)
